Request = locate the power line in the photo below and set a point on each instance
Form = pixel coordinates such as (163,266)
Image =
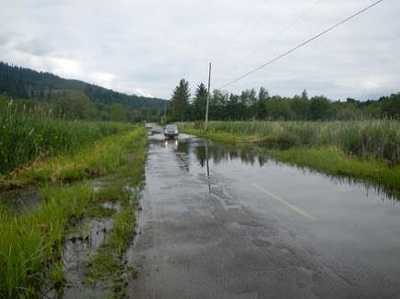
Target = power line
(329,29)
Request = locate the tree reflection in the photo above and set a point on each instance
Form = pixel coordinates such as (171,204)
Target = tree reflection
(220,153)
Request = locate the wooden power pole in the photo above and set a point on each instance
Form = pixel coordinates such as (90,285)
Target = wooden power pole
(208,96)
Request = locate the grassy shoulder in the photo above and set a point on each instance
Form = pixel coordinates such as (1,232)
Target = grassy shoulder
(107,265)
(31,243)
(97,159)
(328,159)
(223,137)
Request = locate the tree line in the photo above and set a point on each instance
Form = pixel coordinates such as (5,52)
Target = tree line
(259,104)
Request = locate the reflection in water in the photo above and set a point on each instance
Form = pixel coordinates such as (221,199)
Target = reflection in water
(208,166)
(205,151)
(208,154)
(219,153)
(183,147)
(171,143)
(181,150)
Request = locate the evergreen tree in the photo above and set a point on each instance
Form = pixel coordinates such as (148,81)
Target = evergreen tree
(199,102)
(180,101)
(304,95)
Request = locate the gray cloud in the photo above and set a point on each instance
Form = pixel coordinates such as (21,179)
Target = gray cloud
(147,46)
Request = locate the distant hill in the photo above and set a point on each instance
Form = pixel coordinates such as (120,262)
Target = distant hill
(26,83)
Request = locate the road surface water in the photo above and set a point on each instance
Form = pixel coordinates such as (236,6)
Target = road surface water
(222,222)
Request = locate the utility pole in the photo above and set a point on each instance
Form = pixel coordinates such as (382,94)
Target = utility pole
(208,96)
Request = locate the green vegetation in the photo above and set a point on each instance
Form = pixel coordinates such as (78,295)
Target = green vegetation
(107,264)
(95,160)
(27,136)
(260,105)
(31,242)
(368,150)
(73,99)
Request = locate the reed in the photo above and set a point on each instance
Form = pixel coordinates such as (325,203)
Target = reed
(27,136)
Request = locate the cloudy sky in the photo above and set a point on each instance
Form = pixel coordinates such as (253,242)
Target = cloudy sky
(146,46)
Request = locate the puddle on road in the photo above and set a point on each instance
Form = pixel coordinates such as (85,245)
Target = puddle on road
(21,200)
(356,222)
(83,242)
(80,244)
(212,157)
(252,157)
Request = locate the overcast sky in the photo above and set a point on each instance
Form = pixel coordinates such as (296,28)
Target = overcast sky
(146,46)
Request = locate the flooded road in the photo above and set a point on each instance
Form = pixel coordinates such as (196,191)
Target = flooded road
(219,222)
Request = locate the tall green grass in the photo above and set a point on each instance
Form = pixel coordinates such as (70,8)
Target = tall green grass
(378,139)
(26,136)
(94,160)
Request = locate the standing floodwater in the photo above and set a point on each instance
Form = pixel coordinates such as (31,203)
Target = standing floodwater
(223,222)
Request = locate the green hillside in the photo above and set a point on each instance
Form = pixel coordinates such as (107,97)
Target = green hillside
(24,83)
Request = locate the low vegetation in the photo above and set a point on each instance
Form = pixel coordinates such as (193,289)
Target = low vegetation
(107,265)
(31,242)
(368,150)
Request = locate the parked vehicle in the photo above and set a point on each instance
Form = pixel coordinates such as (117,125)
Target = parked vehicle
(171,131)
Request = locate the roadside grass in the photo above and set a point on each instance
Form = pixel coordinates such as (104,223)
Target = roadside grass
(94,160)
(31,243)
(107,264)
(367,150)
(27,136)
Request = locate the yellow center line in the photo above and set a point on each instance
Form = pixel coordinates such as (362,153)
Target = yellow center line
(287,204)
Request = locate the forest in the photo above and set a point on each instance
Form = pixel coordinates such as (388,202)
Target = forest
(258,104)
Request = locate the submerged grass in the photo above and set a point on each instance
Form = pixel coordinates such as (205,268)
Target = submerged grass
(368,150)
(107,264)
(31,243)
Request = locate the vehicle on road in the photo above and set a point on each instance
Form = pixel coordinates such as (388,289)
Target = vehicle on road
(171,131)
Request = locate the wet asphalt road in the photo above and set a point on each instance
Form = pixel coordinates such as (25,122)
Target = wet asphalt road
(219,222)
